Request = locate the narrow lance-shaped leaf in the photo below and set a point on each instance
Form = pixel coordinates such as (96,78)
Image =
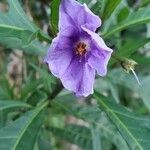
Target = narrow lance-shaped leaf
(139,17)
(6,105)
(96,138)
(47,79)
(142,60)
(22,133)
(17,31)
(14,22)
(135,130)
(123,14)
(145,2)
(109,8)
(130,48)
(54,15)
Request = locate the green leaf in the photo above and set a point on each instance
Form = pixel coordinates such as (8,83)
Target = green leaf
(139,17)
(144,91)
(145,2)
(135,130)
(15,23)
(7,105)
(129,48)
(132,45)
(13,31)
(17,31)
(18,134)
(96,138)
(129,84)
(30,87)
(44,143)
(142,60)
(123,14)
(47,78)
(98,7)
(44,73)
(85,1)
(109,8)
(6,91)
(75,134)
(80,135)
(54,15)
(37,97)
(16,17)
(67,104)
(35,47)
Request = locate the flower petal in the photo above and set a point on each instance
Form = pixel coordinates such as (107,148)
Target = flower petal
(73,15)
(79,78)
(100,62)
(97,40)
(59,55)
(100,53)
(87,81)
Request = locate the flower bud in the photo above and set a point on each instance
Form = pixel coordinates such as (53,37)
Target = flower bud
(129,65)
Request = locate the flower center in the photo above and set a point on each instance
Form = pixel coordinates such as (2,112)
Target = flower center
(81,48)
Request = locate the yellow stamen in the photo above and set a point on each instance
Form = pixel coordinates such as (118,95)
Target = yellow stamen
(80,48)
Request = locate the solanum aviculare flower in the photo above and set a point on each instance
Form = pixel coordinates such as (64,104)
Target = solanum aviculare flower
(77,52)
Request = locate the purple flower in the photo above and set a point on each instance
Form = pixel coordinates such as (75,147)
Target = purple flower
(78,52)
